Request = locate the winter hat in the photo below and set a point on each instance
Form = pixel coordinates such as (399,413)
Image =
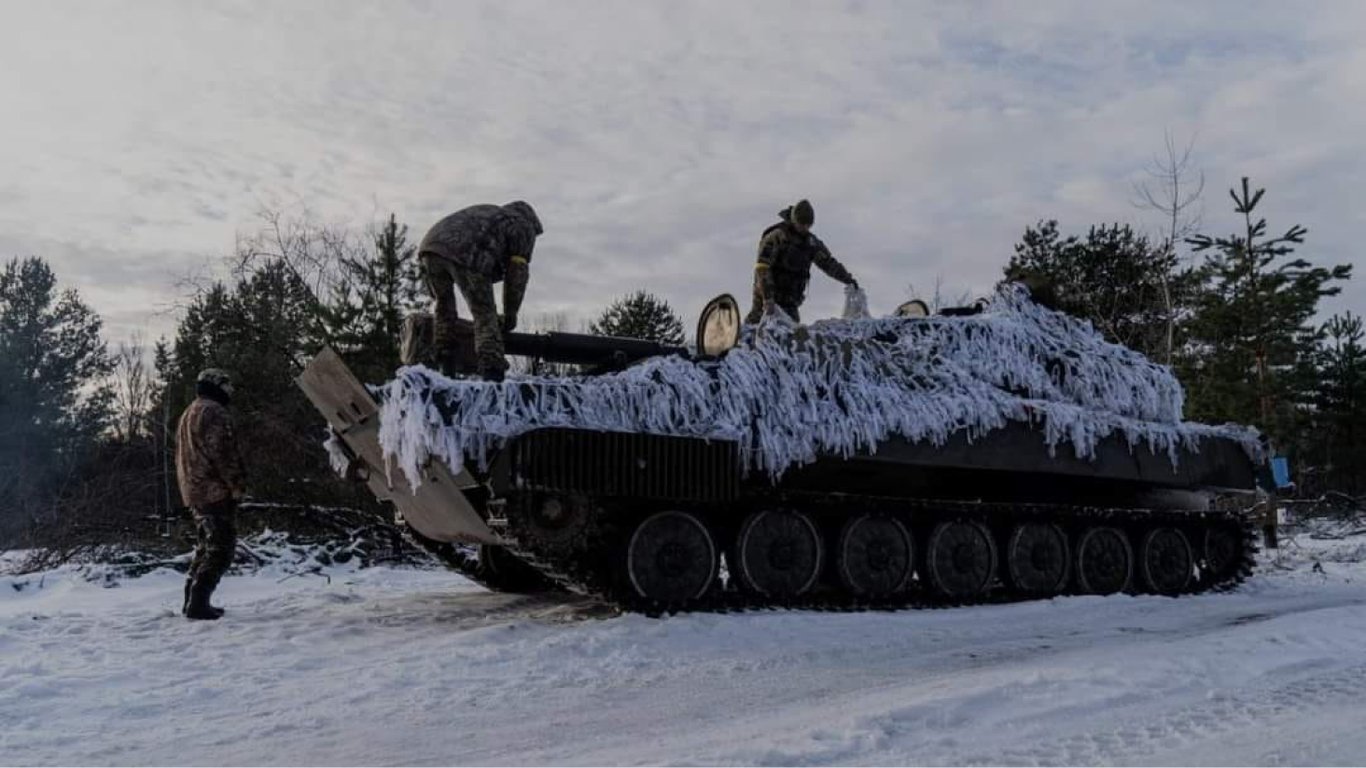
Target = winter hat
(803,213)
(218,378)
(523,208)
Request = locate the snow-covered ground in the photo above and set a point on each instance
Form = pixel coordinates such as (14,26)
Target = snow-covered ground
(384,666)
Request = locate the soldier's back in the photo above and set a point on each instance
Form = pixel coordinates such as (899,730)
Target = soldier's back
(460,234)
(202,426)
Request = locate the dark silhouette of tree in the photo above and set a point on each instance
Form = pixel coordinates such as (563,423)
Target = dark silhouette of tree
(375,289)
(54,401)
(640,315)
(262,330)
(1248,351)
(1113,277)
(1338,447)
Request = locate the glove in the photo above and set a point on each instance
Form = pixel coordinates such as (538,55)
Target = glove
(509,323)
(853,283)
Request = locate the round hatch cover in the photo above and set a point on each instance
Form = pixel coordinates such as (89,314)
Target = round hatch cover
(719,327)
(913,308)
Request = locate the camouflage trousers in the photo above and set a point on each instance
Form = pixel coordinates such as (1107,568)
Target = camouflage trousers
(216,543)
(442,277)
(788,295)
(786,303)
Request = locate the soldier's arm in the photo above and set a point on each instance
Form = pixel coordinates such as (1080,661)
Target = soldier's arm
(514,289)
(831,266)
(220,443)
(518,242)
(763,268)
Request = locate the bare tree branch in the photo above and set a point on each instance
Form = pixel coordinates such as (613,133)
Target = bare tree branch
(1173,189)
(133,388)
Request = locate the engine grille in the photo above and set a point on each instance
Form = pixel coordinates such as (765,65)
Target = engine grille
(624,464)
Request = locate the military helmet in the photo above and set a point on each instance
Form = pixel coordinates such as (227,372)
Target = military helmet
(218,378)
(803,213)
(523,208)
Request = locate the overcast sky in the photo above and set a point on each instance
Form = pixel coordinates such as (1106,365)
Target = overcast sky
(658,139)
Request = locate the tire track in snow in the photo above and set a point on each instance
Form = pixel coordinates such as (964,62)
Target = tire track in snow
(959,703)
(1222,713)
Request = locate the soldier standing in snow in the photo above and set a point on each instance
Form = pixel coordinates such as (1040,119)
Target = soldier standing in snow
(472,249)
(786,252)
(212,479)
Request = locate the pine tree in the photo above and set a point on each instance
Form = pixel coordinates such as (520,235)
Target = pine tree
(53,401)
(376,289)
(1247,354)
(262,330)
(201,330)
(1339,445)
(163,365)
(640,315)
(1113,277)
(299,286)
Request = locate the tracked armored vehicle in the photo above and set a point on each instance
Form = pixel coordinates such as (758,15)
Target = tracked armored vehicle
(1000,453)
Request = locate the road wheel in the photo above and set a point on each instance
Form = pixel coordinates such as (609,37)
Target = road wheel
(671,558)
(1038,559)
(1223,550)
(1166,560)
(1105,561)
(960,559)
(875,556)
(557,524)
(778,553)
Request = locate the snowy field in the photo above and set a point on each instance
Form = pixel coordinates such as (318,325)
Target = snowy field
(386,666)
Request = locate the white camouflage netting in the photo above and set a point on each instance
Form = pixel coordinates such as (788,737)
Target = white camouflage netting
(790,394)
(337,456)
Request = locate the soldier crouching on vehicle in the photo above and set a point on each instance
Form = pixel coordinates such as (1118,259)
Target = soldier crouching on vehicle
(786,252)
(212,480)
(472,249)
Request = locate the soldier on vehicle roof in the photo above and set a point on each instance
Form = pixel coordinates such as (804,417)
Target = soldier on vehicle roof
(472,249)
(786,252)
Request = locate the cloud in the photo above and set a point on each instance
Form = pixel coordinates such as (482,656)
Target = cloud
(657,140)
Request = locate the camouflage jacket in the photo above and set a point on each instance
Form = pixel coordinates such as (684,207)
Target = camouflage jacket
(784,265)
(484,238)
(207,463)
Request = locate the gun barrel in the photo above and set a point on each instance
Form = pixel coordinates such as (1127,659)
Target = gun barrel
(585,349)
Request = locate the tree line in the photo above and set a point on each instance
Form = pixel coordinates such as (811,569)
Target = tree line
(85,430)
(1239,326)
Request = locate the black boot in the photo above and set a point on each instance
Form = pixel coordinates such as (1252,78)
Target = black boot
(185,605)
(199,608)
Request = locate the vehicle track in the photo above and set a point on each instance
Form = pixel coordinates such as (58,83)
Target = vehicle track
(593,571)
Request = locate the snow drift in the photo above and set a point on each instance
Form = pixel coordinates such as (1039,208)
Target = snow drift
(789,394)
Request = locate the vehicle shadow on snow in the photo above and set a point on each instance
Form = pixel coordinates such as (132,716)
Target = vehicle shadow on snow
(472,610)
